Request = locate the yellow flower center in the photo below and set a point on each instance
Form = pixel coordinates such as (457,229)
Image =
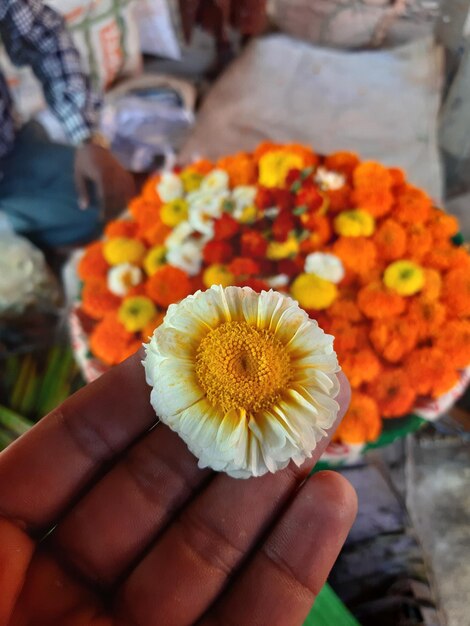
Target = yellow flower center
(242,367)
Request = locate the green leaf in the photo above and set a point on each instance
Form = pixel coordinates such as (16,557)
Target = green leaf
(328,610)
(300,210)
(13,421)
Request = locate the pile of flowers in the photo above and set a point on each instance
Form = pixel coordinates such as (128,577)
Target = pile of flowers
(362,250)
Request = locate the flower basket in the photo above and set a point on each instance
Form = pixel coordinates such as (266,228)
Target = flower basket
(364,252)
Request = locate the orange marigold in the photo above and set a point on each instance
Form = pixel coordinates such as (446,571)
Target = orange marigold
(378,302)
(144,212)
(347,336)
(358,254)
(372,188)
(168,285)
(393,338)
(241,169)
(345,307)
(97,300)
(343,162)
(429,372)
(419,241)
(320,229)
(147,331)
(307,154)
(432,285)
(202,166)
(398,176)
(442,225)
(427,316)
(456,292)
(361,366)
(362,422)
(93,264)
(393,393)
(390,239)
(121,228)
(454,341)
(111,342)
(149,192)
(413,205)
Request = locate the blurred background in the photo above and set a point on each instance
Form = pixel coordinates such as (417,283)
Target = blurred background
(388,79)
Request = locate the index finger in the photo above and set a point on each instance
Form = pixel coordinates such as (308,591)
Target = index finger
(46,468)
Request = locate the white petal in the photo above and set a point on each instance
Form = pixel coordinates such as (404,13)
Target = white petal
(175,387)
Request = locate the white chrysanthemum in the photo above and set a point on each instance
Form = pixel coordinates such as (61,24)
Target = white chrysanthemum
(247,380)
(187,256)
(325,265)
(328,179)
(243,196)
(122,277)
(204,207)
(170,187)
(280,280)
(215,182)
(179,235)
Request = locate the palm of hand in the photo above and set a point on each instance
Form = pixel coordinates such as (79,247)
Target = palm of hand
(142,536)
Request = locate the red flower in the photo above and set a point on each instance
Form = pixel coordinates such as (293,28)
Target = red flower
(253,244)
(256,284)
(310,197)
(283,224)
(264,198)
(217,252)
(242,266)
(291,267)
(225,227)
(293,176)
(283,199)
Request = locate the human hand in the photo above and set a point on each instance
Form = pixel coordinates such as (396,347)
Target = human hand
(106,520)
(114,185)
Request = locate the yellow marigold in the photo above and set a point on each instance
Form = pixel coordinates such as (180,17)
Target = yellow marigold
(312,292)
(361,366)
(309,158)
(393,393)
(419,241)
(217,274)
(110,341)
(372,188)
(154,259)
(274,167)
(174,212)
(97,300)
(136,312)
(278,250)
(362,422)
(454,341)
(413,205)
(355,223)
(241,169)
(429,372)
(377,302)
(191,180)
(123,250)
(358,254)
(404,277)
(390,239)
(456,292)
(427,316)
(93,264)
(393,338)
(154,323)
(432,285)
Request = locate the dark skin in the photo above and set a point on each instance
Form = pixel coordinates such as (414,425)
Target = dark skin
(113,184)
(142,537)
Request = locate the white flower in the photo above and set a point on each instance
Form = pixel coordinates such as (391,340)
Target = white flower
(178,235)
(243,196)
(170,187)
(280,280)
(215,182)
(325,265)
(247,380)
(328,179)
(122,277)
(204,207)
(187,256)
